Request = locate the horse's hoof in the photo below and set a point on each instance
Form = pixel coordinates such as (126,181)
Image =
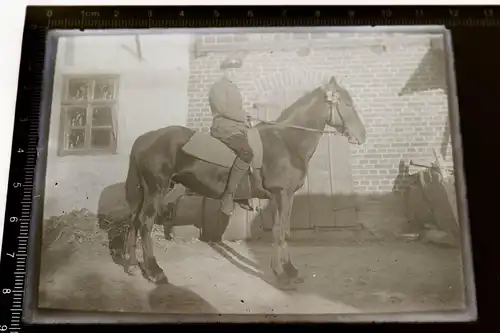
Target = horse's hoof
(161,281)
(133,270)
(293,274)
(158,278)
(117,257)
(298,280)
(284,282)
(286,285)
(211,239)
(208,240)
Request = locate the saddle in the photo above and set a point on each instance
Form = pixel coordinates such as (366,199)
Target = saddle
(205,147)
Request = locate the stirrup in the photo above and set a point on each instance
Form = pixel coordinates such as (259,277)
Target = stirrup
(246,204)
(223,202)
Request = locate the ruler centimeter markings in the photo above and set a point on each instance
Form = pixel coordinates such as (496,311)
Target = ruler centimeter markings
(41,19)
(21,180)
(92,17)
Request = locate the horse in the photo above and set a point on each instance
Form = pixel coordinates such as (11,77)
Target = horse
(158,159)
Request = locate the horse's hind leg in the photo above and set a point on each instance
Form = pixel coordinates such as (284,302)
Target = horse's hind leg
(150,212)
(168,214)
(131,265)
(167,230)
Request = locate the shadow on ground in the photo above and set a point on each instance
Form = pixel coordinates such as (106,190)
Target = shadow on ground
(175,299)
(106,290)
(369,269)
(89,292)
(343,274)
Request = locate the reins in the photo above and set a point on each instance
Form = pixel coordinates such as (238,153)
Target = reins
(295,126)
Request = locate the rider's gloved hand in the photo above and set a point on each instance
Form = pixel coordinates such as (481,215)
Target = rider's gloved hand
(249,121)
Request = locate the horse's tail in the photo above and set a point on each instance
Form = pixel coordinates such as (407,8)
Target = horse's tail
(133,185)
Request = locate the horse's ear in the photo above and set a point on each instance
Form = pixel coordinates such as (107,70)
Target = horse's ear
(332,85)
(333,81)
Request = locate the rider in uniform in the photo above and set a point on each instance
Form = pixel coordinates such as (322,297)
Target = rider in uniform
(230,125)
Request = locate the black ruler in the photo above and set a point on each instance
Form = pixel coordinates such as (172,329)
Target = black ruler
(109,17)
(28,142)
(20,194)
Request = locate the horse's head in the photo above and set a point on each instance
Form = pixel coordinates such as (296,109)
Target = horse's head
(343,115)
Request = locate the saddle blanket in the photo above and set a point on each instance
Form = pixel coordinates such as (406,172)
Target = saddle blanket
(207,148)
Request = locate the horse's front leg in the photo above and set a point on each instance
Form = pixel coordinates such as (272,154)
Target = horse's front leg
(281,263)
(291,271)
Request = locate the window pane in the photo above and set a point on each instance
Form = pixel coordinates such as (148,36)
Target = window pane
(76,117)
(104,89)
(101,138)
(76,138)
(78,89)
(101,116)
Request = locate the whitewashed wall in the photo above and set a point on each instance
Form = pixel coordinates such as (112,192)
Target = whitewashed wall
(152,94)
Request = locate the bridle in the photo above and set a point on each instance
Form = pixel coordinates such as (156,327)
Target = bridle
(333,100)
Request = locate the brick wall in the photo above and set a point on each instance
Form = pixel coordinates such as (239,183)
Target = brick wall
(396,82)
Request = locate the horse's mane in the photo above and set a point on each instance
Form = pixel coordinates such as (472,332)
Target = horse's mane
(304,100)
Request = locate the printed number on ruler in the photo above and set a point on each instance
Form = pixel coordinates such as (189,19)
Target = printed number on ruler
(5,291)
(12,219)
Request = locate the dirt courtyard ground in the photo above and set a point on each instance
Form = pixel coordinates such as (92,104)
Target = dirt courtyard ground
(341,277)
